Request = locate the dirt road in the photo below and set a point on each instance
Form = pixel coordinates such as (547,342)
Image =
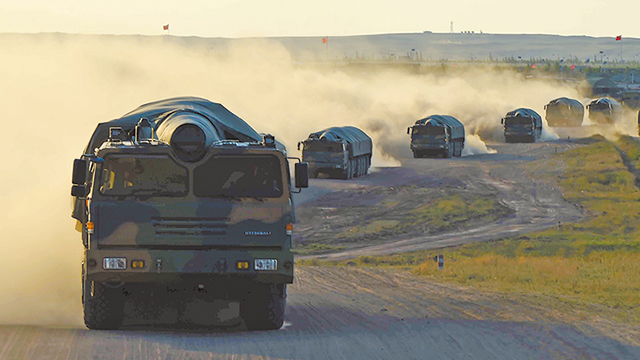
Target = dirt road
(536,203)
(358,313)
(353,313)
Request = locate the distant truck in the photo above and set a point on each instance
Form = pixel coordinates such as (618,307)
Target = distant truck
(181,199)
(564,112)
(522,125)
(342,152)
(437,135)
(604,111)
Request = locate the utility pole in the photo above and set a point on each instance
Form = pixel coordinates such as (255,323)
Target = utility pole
(451,29)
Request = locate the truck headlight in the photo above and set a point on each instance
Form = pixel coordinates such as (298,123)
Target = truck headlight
(266,264)
(118,263)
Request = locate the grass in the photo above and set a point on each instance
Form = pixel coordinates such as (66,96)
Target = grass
(316,248)
(437,215)
(596,261)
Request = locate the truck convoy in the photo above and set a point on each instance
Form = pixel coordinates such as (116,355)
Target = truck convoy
(182,199)
(564,112)
(437,135)
(522,125)
(604,111)
(343,152)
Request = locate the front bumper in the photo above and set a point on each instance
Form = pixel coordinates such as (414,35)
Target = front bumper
(167,265)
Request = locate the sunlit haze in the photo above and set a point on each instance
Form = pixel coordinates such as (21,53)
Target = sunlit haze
(249,18)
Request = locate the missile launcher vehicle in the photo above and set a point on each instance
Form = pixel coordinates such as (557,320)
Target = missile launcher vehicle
(341,152)
(564,112)
(182,199)
(437,135)
(522,125)
(604,111)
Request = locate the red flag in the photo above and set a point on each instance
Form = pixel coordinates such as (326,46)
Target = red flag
(619,37)
(165,27)
(533,66)
(325,40)
(573,67)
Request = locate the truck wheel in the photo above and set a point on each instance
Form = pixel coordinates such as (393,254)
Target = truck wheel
(263,307)
(104,310)
(416,155)
(347,171)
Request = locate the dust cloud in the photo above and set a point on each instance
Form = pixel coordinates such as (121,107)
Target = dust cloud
(55,88)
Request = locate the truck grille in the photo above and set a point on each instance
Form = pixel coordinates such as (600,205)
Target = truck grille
(166,226)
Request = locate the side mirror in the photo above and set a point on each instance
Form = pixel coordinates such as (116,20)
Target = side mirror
(502,121)
(298,145)
(79,191)
(302,175)
(79,175)
(408,130)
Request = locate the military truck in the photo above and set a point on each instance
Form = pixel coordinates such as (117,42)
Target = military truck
(437,135)
(604,111)
(522,125)
(564,112)
(341,152)
(182,199)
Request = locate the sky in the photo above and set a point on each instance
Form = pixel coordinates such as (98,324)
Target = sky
(270,18)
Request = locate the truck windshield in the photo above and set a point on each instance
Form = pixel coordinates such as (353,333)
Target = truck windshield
(131,175)
(239,176)
(518,121)
(435,131)
(321,146)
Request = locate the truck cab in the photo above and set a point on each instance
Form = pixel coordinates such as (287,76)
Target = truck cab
(183,221)
(437,135)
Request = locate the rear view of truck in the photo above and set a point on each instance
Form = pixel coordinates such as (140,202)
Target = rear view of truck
(564,112)
(604,111)
(341,152)
(522,125)
(179,201)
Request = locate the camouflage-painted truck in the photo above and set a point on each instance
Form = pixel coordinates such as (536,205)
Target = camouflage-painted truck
(604,111)
(181,198)
(343,152)
(522,125)
(437,135)
(564,112)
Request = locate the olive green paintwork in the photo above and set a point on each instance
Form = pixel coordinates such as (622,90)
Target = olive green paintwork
(187,235)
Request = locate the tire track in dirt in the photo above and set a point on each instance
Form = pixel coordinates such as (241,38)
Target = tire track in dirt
(538,205)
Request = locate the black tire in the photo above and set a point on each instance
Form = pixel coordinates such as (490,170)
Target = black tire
(346,174)
(263,307)
(104,310)
(415,154)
